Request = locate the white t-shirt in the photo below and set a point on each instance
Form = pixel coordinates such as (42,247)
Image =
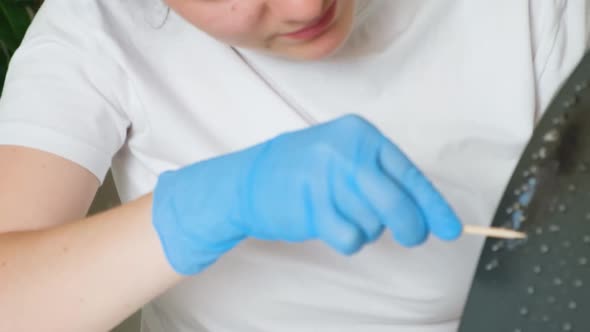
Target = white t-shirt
(458,85)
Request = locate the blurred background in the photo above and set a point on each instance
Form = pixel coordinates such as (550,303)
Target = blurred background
(15,17)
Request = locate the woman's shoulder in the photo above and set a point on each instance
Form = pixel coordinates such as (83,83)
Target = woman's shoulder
(88,19)
(121,29)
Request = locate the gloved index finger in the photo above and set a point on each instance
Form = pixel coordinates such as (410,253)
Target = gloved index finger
(441,219)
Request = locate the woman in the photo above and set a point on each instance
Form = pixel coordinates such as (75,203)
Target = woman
(257,147)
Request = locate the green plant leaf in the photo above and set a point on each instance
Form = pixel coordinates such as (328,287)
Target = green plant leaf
(15,17)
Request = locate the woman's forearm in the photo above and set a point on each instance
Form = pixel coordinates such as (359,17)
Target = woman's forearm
(82,276)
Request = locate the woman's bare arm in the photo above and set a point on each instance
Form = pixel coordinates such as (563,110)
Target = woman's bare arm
(60,271)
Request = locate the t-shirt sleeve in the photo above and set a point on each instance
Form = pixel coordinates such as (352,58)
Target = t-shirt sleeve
(63,96)
(560,38)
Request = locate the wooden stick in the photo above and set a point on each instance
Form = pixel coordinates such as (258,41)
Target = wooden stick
(502,233)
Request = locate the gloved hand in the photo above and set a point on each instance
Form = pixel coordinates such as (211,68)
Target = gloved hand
(341,182)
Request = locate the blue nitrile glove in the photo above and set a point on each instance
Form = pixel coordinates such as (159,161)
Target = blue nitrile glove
(340,182)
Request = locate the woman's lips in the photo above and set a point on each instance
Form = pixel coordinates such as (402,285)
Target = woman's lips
(317,28)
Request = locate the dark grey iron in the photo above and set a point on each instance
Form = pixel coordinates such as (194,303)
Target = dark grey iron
(542,284)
